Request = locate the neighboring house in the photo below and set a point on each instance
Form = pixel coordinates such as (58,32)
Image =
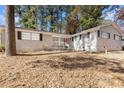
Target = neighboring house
(94,39)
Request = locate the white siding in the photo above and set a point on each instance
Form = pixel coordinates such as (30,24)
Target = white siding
(93,41)
(85,43)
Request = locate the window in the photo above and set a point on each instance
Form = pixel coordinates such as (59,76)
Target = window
(55,43)
(55,38)
(105,35)
(62,39)
(117,37)
(80,36)
(26,36)
(35,36)
(29,36)
(58,41)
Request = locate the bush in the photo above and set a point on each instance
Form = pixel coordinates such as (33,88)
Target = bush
(2,48)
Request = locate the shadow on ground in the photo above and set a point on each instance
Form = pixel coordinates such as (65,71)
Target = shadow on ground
(71,63)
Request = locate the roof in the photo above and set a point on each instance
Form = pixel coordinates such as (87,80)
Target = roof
(38,31)
(114,25)
(66,35)
(118,28)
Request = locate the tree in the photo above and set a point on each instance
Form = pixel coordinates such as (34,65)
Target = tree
(10,42)
(120,14)
(68,18)
(119,17)
(27,16)
(73,20)
(92,15)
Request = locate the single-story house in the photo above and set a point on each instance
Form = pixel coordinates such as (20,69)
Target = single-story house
(99,38)
(95,39)
(34,40)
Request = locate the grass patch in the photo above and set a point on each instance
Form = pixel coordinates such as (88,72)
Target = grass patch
(2,48)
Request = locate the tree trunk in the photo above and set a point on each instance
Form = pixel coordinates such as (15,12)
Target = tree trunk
(10,42)
(61,20)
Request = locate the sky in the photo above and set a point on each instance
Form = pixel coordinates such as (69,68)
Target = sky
(2,15)
(110,16)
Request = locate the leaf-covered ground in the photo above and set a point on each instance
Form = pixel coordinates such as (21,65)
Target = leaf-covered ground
(69,69)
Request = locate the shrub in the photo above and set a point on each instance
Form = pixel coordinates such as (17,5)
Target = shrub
(2,48)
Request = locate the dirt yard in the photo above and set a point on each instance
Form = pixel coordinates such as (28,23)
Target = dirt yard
(70,69)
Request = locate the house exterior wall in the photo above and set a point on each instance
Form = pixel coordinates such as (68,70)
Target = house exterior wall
(110,43)
(34,45)
(29,45)
(85,42)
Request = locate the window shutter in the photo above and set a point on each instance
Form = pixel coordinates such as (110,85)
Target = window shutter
(19,35)
(109,35)
(65,39)
(72,38)
(98,33)
(120,37)
(80,36)
(88,34)
(114,36)
(40,37)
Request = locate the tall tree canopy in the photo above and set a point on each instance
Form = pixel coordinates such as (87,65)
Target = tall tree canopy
(61,19)
(119,17)
(27,15)
(120,14)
